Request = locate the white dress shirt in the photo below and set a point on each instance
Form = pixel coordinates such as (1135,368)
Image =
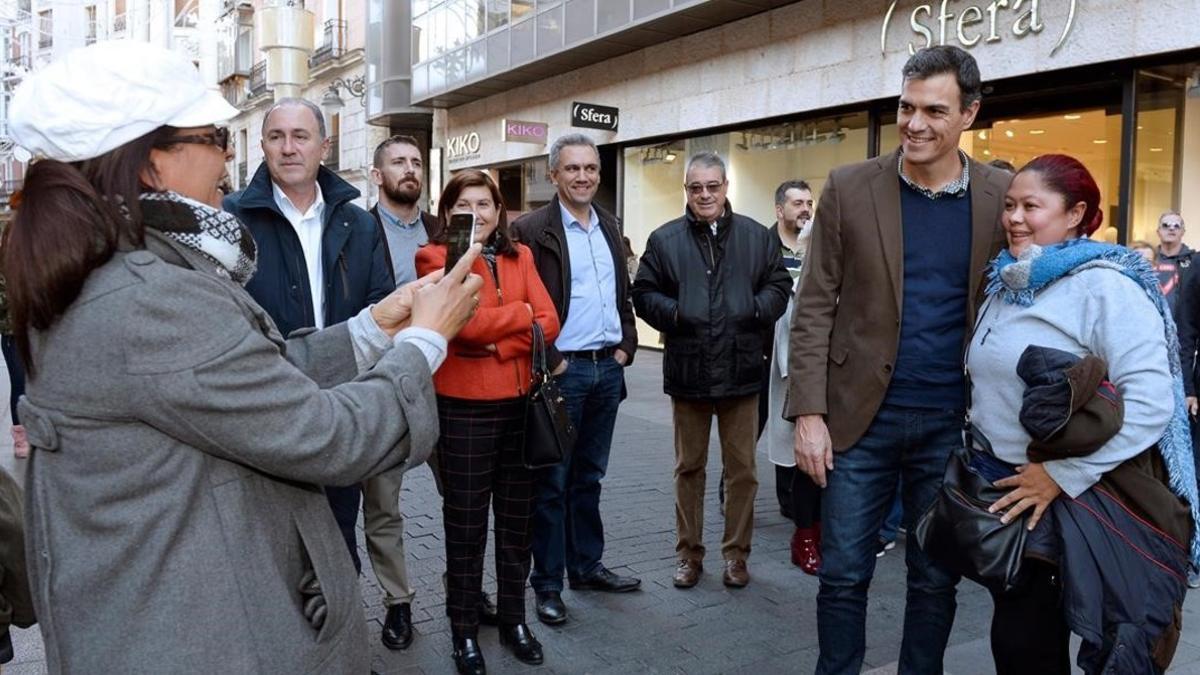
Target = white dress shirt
(309,228)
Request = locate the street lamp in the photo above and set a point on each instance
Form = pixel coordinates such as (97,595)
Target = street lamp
(332,101)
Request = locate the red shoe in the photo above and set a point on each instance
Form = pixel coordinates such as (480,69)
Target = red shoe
(806,549)
(20,442)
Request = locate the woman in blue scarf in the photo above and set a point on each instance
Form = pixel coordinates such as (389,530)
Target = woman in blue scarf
(1053,287)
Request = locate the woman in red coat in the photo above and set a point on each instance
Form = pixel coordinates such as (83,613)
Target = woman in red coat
(481,406)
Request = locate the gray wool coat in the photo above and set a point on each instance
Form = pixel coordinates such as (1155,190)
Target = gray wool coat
(171,500)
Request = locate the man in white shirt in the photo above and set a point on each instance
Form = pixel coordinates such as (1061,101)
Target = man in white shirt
(320,258)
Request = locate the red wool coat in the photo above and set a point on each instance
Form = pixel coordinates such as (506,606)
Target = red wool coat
(472,370)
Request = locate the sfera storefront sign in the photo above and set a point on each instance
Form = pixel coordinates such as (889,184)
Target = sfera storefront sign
(592,116)
(969,24)
(464,146)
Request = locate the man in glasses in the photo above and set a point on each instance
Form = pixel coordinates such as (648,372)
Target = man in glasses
(1174,260)
(320,258)
(713,282)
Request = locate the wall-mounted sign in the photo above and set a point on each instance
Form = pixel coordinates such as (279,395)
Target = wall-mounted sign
(592,116)
(516,131)
(937,23)
(464,146)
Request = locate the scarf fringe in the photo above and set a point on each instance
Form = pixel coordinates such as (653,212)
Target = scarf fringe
(1018,282)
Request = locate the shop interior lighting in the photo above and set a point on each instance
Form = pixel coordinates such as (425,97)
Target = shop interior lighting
(1072,117)
(1100,141)
(1010,133)
(1155,149)
(1036,132)
(983,135)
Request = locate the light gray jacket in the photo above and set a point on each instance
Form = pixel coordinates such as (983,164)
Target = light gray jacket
(171,499)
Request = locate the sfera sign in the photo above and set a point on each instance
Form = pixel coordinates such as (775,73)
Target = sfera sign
(516,131)
(462,147)
(968,24)
(592,116)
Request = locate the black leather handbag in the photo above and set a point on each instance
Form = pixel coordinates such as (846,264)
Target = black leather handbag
(957,531)
(549,434)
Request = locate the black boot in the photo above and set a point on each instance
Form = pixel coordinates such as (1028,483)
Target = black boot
(520,641)
(397,627)
(468,658)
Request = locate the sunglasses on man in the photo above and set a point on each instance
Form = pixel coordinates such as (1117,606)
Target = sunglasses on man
(1170,226)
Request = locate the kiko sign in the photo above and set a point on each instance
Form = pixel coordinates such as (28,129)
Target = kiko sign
(966,24)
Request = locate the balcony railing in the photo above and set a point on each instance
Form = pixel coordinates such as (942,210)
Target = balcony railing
(45,40)
(334,45)
(119,23)
(7,187)
(258,79)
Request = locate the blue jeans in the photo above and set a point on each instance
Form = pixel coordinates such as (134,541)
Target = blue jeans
(567,530)
(891,524)
(905,445)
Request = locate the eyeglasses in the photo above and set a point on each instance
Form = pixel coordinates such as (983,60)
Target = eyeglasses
(696,189)
(1171,226)
(219,137)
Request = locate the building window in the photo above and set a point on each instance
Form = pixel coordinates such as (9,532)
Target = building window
(334,161)
(45,28)
(90,17)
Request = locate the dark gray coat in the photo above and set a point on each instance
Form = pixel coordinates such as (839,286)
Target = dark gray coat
(171,509)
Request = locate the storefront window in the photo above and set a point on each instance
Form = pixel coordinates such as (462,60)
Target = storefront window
(1166,154)
(757,159)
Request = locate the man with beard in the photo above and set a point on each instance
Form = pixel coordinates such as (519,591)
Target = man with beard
(580,257)
(398,173)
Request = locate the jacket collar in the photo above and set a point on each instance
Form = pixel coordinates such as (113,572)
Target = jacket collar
(260,195)
(722,222)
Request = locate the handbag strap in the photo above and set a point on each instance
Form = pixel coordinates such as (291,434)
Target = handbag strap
(539,351)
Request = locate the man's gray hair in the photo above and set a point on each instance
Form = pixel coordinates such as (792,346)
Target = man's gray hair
(709,159)
(570,139)
(293,101)
(1172,212)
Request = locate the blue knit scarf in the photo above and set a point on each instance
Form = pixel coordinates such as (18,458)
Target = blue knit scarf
(1017,281)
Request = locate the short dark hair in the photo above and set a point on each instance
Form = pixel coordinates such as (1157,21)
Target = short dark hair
(1003,165)
(393,140)
(942,59)
(781,191)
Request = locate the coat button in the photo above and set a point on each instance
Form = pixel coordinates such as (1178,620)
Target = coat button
(141,258)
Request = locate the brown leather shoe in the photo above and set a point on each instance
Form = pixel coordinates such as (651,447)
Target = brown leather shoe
(736,575)
(687,574)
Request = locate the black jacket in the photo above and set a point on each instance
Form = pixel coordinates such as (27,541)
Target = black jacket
(16,601)
(1187,321)
(714,299)
(427,219)
(357,272)
(543,232)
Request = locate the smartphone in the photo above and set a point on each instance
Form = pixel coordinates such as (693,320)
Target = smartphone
(460,235)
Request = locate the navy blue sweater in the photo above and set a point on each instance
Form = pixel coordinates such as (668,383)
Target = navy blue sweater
(937,261)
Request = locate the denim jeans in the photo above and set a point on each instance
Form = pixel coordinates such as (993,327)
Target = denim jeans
(567,530)
(891,524)
(911,446)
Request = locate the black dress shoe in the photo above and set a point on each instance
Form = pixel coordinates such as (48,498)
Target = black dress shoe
(605,580)
(521,643)
(468,659)
(397,627)
(488,615)
(550,608)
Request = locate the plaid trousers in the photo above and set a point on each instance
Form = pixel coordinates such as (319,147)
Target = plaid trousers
(480,461)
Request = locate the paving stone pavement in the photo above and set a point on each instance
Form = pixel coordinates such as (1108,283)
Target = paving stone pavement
(768,627)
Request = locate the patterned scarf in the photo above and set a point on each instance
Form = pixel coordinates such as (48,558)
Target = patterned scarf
(1018,280)
(215,234)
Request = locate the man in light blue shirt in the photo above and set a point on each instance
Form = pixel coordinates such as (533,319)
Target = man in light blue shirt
(398,172)
(580,257)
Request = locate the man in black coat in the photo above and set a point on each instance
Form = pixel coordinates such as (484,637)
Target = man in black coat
(580,258)
(320,258)
(714,283)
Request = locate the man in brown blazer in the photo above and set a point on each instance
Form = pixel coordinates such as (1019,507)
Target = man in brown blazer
(884,306)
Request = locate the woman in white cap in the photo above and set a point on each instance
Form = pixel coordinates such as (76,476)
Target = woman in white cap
(172,520)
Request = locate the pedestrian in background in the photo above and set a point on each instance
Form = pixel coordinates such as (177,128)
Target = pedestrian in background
(482,390)
(714,283)
(886,300)
(177,438)
(1145,249)
(16,375)
(798,496)
(1173,261)
(320,258)
(16,604)
(580,257)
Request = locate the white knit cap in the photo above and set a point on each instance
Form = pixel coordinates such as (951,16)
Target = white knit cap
(100,97)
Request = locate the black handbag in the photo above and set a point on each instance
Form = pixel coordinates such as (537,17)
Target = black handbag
(549,434)
(958,533)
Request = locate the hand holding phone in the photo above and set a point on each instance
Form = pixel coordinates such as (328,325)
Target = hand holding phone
(460,234)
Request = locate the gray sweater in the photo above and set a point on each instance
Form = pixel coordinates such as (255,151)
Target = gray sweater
(1095,311)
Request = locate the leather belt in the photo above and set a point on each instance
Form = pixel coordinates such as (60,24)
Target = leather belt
(592,355)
